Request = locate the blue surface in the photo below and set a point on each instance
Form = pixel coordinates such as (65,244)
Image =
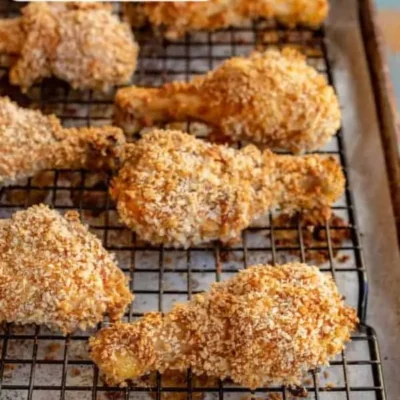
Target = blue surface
(394,66)
(388,3)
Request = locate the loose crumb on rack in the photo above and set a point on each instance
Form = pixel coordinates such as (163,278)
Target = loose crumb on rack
(274,396)
(114,396)
(343,258)
(170,379)
(330,386)
(53,347)
(298,391)
(313,235)
(9,367)
(75,372)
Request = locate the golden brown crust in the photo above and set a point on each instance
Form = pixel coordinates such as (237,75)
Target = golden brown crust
(177,18)
(177,190)
(272,98)
(267,325)
(11,36)
(31,142)
(83,44)
(54,272)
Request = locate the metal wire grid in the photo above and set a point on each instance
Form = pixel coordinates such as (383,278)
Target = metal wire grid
(38,364)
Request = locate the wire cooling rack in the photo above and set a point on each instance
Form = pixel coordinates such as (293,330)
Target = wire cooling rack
(42,365)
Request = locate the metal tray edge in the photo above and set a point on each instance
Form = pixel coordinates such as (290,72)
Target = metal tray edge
(384,101)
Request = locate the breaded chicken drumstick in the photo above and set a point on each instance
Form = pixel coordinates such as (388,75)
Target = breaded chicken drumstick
(267,325)
(31,142)
(177,190)
(83,44)
(177,18)
(54,272)
(272,98)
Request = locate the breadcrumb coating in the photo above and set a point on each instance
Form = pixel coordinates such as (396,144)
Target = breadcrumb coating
(176,190)
(54,272)
(11,36)
(272,98)
(31,142)
(267,325)
(83,44)
(175,19)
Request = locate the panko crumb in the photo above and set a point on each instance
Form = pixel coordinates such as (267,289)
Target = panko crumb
(54,272)
(174,19)
(31,142)
(176,190)
(272,98)
(268,325)
(83,44)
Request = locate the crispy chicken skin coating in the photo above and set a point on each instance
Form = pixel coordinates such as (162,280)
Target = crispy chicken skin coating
(84,45)
(272,98)
(11,36)
(267,325)
(176,190)
(54,272)
(31,142)
(175,19)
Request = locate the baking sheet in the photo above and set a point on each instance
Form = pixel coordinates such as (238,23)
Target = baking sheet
(369,182)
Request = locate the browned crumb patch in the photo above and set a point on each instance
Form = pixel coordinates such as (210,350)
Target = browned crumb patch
(114,396)
(274,396)
(343,258)
(31,197)
(168,260)
(50,350)
(53,347)
(9,367)
(93,199)
(179,380)
(298,391)
(75,372)
(314,235)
